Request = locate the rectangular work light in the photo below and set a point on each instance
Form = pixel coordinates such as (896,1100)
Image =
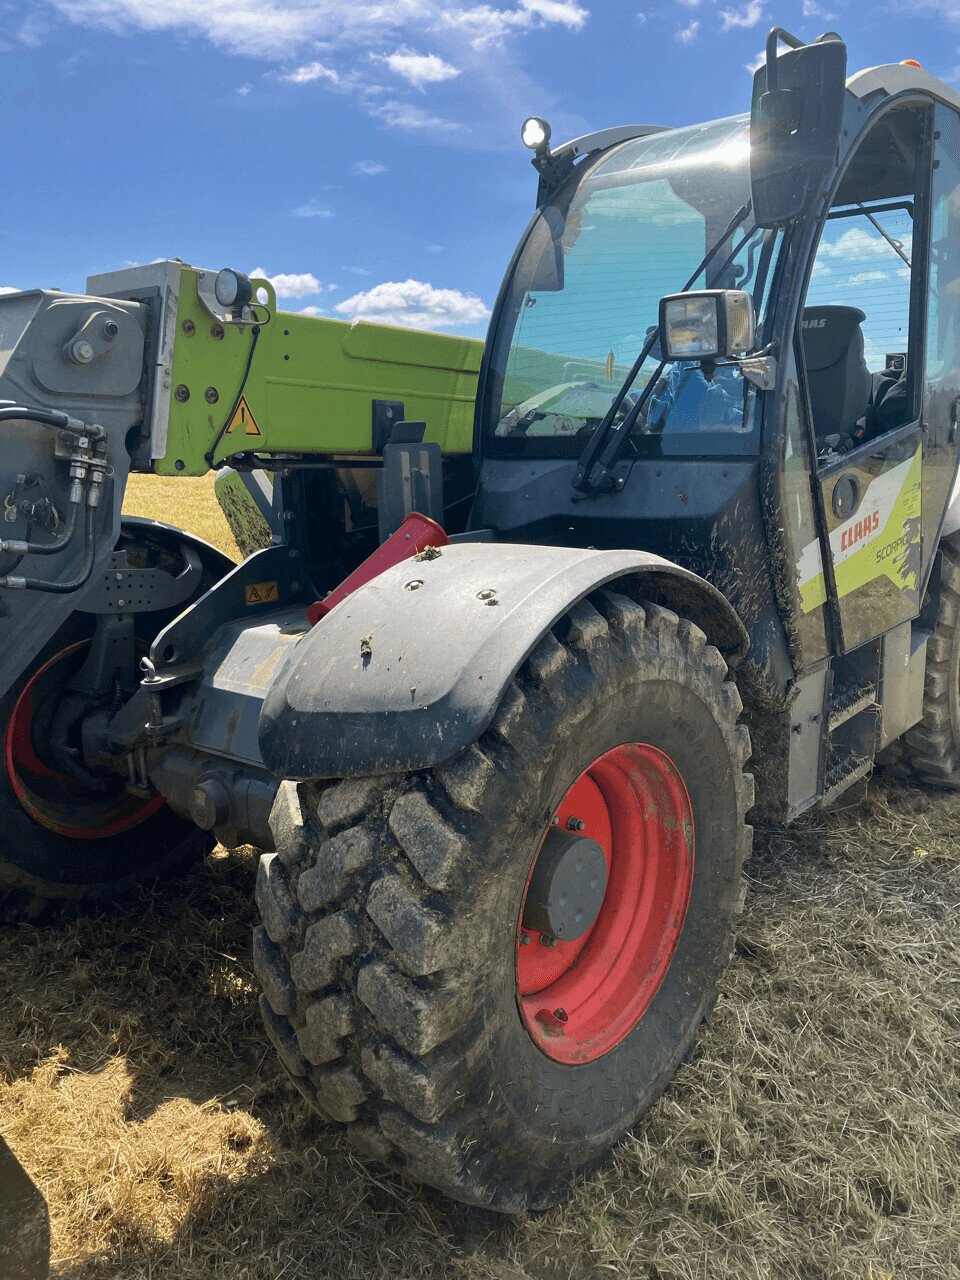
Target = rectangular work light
(709,325)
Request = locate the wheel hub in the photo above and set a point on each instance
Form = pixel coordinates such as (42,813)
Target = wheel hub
(583,992)
(54,796)
(567,886)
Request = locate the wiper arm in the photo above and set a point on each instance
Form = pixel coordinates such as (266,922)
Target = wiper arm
(603,448)
(895,245)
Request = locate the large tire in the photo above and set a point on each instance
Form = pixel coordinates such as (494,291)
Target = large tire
(388,950)
(929,753)
(58,844)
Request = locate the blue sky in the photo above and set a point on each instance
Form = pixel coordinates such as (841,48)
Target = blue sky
(365,155)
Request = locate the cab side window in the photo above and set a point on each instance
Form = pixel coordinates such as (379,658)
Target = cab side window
(856,330)
(943,295)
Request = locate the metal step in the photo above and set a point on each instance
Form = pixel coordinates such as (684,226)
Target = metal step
(842,774)
(848,702)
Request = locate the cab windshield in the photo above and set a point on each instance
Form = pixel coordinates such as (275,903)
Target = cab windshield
(586,290)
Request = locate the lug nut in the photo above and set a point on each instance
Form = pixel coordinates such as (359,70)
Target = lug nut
(561,1015)
(182,393)
(189,328)
(211,395)
(524,939)
(111,328)
(547,940)
(575,824)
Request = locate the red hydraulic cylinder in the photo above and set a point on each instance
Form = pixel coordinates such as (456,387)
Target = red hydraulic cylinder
(415,534)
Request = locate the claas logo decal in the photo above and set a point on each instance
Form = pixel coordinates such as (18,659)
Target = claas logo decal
(859,530)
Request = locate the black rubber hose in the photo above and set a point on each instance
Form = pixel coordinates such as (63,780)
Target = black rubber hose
(15,547)
(50,418)
(209,455)
(66,588)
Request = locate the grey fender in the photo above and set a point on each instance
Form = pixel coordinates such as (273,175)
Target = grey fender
(402,676)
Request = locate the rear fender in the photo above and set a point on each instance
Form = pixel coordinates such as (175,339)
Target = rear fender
(411,667)
(142,529)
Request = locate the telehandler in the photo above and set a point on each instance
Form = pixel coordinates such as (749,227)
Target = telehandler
(487,700)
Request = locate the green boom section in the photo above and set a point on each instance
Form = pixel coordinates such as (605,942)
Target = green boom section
(310,386)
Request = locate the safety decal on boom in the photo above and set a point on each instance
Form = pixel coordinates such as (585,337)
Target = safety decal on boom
(243,418)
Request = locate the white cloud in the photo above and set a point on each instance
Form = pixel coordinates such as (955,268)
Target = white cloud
(260,28)
(367,168)
(8,288)
(866,277)
(565,12)
(312,210)
(415,304)
(404,115)
(310,72)
(244,90)
(688,33)
(812,10)
(418,68)
(433,248)
(754,66)
(291,285)
(357,271)
(279,28)
(312,311)
(748,16)
(486,25)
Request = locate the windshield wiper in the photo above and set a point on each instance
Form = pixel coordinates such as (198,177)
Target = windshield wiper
(895,245)
(603,449)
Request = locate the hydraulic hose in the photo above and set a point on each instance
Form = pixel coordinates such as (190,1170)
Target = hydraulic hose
(209,455)
(18,583)
(50,418)
(15,547)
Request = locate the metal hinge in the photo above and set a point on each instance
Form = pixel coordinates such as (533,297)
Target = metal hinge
(761,371)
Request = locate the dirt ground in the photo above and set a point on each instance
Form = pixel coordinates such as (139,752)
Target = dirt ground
(816,1133)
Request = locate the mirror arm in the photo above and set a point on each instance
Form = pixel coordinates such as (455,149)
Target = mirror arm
(773,39)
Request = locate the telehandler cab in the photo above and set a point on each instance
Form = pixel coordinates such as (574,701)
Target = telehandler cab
(500,766)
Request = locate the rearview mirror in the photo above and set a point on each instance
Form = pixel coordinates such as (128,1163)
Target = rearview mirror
(795,123)
(713,324)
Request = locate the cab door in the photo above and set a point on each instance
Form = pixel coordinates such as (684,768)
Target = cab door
(869,279)
(872,503)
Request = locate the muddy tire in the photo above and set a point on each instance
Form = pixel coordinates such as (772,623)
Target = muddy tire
(929,753)
(54,843)
(394,912)
(59,843)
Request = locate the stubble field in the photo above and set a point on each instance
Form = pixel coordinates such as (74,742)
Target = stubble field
(815,1134)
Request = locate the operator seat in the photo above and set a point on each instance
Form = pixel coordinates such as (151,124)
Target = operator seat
(839,381)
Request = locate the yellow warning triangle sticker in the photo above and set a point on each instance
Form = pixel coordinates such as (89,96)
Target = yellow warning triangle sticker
(244,419)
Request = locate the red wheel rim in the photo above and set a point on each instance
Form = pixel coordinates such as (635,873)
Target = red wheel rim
(51,798)
(579,999)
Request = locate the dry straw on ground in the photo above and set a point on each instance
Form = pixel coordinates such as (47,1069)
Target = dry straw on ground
(814,1136)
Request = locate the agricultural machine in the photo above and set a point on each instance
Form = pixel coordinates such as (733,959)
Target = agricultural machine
(485,688)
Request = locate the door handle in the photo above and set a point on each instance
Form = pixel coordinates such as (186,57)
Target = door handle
(846,496)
